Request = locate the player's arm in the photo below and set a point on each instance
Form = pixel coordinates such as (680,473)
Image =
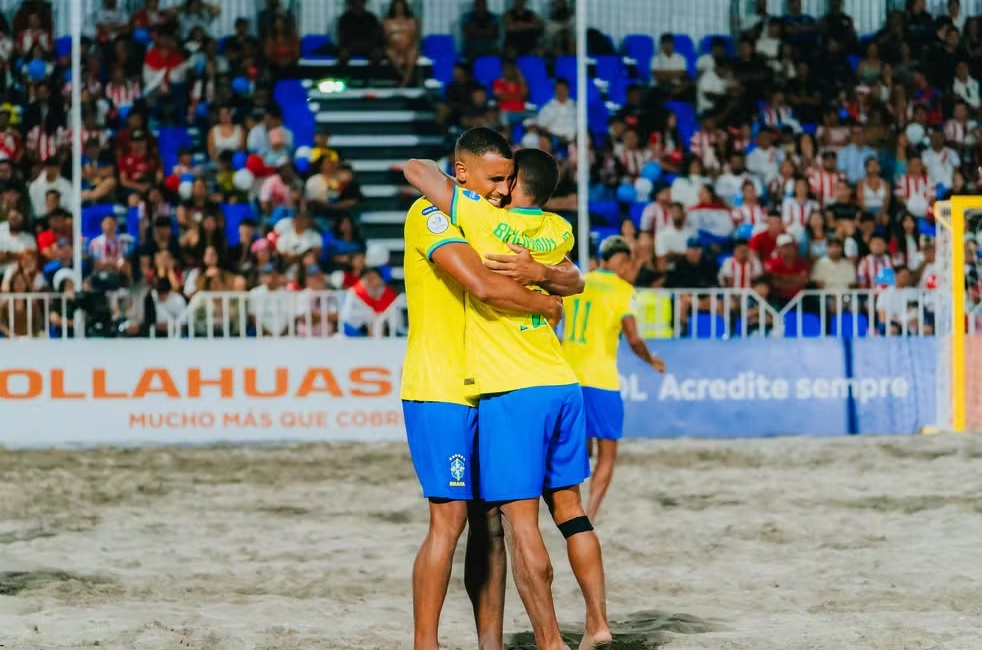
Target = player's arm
(629,325)
(564,279)
(464,265)
(427,177)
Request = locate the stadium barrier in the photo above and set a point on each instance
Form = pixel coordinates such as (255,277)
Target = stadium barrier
(171,391)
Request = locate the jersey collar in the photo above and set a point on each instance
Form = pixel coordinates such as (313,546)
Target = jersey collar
(528,212)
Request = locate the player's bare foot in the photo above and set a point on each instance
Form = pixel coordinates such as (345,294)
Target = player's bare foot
(595,641)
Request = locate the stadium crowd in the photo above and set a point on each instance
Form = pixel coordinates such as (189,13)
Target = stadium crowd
(794,154)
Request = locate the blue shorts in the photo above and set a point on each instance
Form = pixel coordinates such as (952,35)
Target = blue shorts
(604,413)
(531,440)
(441,442)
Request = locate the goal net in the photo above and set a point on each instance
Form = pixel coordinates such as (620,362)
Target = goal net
(958,313)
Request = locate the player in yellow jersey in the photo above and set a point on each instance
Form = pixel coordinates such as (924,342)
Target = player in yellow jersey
(440,419)
(532,436)
(593,324)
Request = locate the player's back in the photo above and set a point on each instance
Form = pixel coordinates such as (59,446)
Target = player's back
(434,366)
(592,328)
(505,351)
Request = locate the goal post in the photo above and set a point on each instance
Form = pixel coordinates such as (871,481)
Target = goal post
(959,341)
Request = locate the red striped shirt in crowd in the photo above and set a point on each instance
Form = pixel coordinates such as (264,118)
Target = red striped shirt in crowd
(11,144)
(957,132)
(703,146)
(633,160)
(908,186)
(102,135)
(654,218)
(795,213)
(107,250)
(776,116)
(45,144)
(823,184)
(869,268)
(740,275)
(755,215)
(124,93)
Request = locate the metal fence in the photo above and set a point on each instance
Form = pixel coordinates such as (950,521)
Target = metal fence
(662,313)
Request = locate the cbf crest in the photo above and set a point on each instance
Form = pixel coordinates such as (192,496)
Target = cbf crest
(457,470)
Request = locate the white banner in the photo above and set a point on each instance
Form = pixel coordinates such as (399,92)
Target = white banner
(132,392)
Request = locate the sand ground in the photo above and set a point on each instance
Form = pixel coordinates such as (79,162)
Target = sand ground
(765,544)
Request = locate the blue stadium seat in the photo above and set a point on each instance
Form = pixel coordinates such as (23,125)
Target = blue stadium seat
(707,326)
(540,93)
(133,222)
(487,69)
(596,117)
(291,97)
(234,214)
(706,44)
(609,210)
(600,233)
(312,43)
(854,61)
(439,46)
(641,48)
(566,68)
(636,210)
(811,325)
(810,129)
(685,47)
(843,325)
(685,113)
(609,68)
(533,69)
(63,46)
(172,139)
(92,219)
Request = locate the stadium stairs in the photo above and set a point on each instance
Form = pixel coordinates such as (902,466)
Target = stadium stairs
(376,130)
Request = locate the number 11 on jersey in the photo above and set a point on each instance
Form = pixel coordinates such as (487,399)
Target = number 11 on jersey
(578,322)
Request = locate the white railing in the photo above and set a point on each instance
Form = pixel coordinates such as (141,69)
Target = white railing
(731,313)
(35,315)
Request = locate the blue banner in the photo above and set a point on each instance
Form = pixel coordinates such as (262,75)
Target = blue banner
(774,387)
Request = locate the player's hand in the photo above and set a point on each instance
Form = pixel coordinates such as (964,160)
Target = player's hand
(555,313)
(658,364)
(520,267)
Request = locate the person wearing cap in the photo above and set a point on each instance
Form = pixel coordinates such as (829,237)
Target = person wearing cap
(786,271)
(50,178)
(594,321)
(833,271)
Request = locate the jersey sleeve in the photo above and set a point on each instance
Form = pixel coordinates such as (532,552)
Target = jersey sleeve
(628,302)
(427,229)
(468,209)
(564,241)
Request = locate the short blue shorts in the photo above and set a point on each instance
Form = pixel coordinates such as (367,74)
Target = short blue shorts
(604,413)
(441,442)
(531,440)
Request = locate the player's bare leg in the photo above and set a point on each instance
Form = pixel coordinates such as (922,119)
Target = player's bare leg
(586,560)
(431,570)
(602,475)
(532,571)
(484,573)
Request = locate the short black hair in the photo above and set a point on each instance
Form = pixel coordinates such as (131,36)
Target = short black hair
(480,141)
(537,173)
(562,81)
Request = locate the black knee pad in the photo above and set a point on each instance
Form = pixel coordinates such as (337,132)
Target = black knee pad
(575,526)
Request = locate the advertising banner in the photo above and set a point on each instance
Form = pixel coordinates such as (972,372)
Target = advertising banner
(202,392)
(196,391)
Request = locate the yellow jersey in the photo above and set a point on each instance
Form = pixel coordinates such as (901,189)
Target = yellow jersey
(434,366)
(504,351)
(592,328)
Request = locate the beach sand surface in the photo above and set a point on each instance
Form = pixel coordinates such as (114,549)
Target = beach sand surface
(790,544)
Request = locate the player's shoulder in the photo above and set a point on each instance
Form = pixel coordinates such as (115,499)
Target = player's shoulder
(424,219)
(421,208)
(560,226)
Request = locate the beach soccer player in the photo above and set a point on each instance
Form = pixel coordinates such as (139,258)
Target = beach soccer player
(441,420)
(593,324)
(531,428)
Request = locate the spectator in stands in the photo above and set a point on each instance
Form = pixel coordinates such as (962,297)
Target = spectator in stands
(199,236)
(786,271)
(218,316)
(905,244)
(476,112)
(27,267)
(108,251)
(15,238)
(109,22)
(169,306)
(765,161)
(281,49)
(359,34)
(838,26)
(457,95)
(299,240)
(481,31)
(139,170)
(914,188)
(797,209)
(523,30)
(707,143)
(98,174)
(768,45)
(670,69)
(370,308)
(20,317)
(833,271)
(749,209)
(49,179)
(274,9)
(685,188)
(558,117)
(710,216)
(729,184)
(164,78)
(899,308)
(278,190)
(559,26)
(34,33)
(402,41)
(940,161)
(714,88)
(271,308)
(871,264)
(226,135)
(708,60)
(832,135)
(852,158)
(510,92)
(740,270)
(873,193)
(258,140)
(210,272)
(966,87)
(151,16)
(814,237)
(764,243)
(345,244)
(197,14)
(672,239)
